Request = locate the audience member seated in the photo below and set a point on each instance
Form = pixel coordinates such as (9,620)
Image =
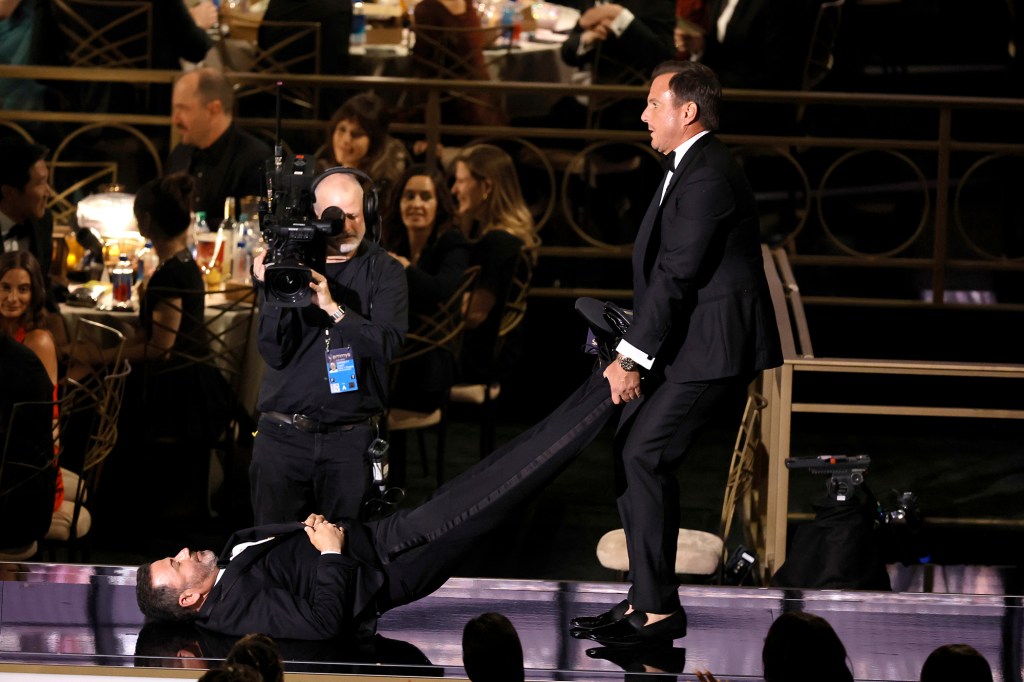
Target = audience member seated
(179,32)
(357,137)
(800,647)
(755,45)
(259,652)
(169,397)
(26,495)
(17,24)
(22,317)
(335,19)
(26,224)
(491,650)
(419,231)
(225,160)
(615,44)
(956,663)
(457,53)
(493,216)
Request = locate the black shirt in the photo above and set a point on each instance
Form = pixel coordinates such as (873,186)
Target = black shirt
(371,289)
(230,167)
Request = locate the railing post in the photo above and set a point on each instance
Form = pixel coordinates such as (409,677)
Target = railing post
(942,207)
(432,120)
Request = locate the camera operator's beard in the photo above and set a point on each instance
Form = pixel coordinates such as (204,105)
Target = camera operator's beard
(344,245)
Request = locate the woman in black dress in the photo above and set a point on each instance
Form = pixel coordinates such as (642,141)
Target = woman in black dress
(420,234)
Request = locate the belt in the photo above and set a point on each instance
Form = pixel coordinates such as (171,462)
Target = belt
(309,425)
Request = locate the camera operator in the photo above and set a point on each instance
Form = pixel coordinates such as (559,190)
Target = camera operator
(310,453)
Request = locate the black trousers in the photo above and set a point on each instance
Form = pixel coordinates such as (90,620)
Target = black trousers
(294,474)
(421,548)
(653,437)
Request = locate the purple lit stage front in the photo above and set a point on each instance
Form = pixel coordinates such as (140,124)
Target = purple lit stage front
(82,620)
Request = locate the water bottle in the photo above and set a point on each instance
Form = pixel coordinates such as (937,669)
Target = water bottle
(147,263)
(358,37)
(511,22)
(121,280)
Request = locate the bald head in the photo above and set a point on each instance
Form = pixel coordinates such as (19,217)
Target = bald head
(336,195)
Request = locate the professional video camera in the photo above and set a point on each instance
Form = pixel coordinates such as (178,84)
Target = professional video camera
(845,472)
(296,242)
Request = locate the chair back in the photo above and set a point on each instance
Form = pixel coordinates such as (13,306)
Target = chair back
(457,53)
(221,332)
(93,340)
(95,413)
(443,328)
(741,465)
(106,33)
(293,47)
(515,302)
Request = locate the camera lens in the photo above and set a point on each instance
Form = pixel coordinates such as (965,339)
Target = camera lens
(286,284)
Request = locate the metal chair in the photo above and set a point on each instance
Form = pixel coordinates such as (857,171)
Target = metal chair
(294,47)
(486,393)
(440,332)
(116,34)
(456,53)
(698,552)
(97,408)
(206,374)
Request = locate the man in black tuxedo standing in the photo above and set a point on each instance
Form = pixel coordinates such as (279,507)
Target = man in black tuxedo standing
(25,222)
(703,327)
(318,580)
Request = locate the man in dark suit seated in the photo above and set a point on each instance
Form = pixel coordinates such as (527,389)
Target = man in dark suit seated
(318,580)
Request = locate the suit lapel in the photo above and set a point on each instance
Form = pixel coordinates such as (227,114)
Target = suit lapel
(648,239)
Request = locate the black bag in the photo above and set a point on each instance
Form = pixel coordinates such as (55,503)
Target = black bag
(839,549)
(608,324)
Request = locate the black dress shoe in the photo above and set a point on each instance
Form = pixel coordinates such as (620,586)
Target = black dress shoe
(632,631)
(660,658)
(616,613)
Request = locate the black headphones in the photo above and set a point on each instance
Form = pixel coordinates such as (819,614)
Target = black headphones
(371,205)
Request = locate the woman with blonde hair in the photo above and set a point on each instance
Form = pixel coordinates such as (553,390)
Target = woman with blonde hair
(494,217)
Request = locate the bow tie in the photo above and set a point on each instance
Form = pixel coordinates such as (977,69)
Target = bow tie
(19,231)
(668,162)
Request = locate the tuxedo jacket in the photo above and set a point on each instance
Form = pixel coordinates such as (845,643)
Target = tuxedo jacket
(702,308)
(285,588)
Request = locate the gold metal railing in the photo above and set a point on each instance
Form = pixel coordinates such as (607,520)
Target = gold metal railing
(772,494)
(798,177)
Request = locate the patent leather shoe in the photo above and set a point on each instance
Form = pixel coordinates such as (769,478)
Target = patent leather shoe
(616,613)
(632,630)
(662,657)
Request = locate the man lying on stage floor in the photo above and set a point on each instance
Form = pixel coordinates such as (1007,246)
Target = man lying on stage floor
(318,580)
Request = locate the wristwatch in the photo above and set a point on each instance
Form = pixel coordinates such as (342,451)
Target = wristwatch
(628,364)
(337,316)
